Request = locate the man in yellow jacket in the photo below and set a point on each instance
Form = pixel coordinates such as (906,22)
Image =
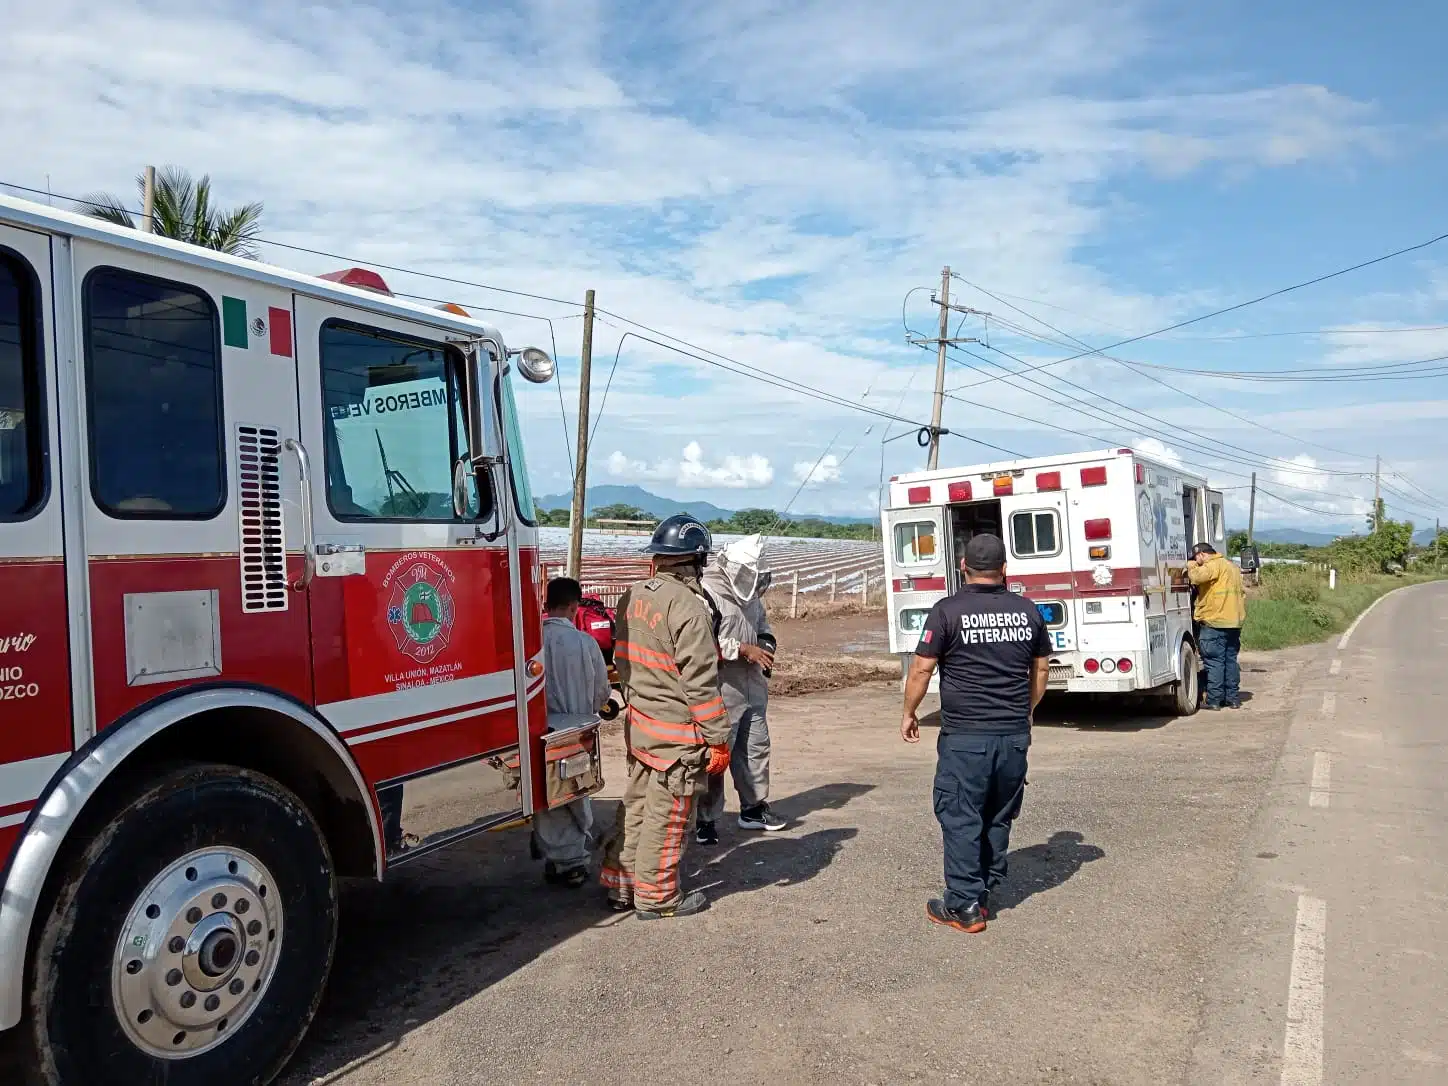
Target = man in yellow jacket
(1220,612)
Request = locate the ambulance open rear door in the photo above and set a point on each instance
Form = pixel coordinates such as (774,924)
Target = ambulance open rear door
(916,569)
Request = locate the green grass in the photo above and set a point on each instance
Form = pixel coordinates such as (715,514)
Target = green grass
(1294,606)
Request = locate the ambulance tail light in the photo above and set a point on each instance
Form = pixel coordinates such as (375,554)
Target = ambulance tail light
(918,495)
(1093,476)
(959,492)
(1098,529)
(1003,485)
(1091,666)
(1124,665)
(1048,480)
(1108,666)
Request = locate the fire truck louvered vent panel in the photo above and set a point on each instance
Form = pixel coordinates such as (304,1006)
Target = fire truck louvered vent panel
(263,546)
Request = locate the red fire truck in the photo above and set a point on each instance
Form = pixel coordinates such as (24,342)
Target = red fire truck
(269,616)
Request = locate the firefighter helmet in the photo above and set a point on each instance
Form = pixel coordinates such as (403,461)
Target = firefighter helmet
(680,535)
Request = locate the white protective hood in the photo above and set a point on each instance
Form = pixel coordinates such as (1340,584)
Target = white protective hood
(742,563)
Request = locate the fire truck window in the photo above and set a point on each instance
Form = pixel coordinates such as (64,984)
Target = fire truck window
(1034,535)
(21,469)
(522,488)
(394,425)
(915,543)
(153,377)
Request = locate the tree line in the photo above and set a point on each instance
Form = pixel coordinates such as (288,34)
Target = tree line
(744,522)
(1388,547)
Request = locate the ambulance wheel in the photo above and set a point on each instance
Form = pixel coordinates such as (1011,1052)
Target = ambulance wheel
(1187,696)
(189,943)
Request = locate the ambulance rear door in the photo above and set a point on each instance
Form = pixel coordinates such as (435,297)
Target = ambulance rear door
(1039,552)
(916,569)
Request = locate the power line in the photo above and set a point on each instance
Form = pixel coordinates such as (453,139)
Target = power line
(1159,381)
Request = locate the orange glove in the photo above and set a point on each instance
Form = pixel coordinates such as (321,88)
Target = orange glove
(718,759)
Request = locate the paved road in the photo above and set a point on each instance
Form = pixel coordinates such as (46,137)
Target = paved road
(816,963)
(1180,911)
(1336,969)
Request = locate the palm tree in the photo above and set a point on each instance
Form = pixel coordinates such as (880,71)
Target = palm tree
(183,211)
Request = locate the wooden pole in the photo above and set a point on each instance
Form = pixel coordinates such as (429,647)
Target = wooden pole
(579,512)
(794,595)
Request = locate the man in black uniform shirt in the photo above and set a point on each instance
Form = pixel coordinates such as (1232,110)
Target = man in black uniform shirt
(993,652)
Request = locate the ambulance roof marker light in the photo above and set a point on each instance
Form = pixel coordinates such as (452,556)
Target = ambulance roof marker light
(1123,452)
(918,495)
(1048,480)
(1003,484)
(1094,476)
(960,491)
(362,278)
(1140,473)
(455,309)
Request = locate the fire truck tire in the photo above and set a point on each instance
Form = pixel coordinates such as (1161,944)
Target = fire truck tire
(1187,696)
(189,942)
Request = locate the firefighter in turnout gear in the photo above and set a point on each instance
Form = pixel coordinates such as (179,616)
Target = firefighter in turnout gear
(676,728)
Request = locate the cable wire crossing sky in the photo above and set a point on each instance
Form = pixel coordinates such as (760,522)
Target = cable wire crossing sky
(1216,236)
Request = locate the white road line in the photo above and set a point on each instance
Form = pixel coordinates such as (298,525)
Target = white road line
(1329,703)
(1347,634)
(1335,667)
(1321,779)
(1302,1042)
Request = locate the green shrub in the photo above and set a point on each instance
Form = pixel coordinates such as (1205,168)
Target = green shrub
(1296,584)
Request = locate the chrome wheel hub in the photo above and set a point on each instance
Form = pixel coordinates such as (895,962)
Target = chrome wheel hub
(196,953)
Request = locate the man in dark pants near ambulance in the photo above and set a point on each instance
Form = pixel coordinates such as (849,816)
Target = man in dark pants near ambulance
(993,652)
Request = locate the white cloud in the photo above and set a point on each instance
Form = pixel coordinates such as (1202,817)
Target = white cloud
(691,472)
(1308,477)
(817,472)
(1159,450)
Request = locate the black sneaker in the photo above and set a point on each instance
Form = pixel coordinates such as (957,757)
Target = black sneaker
(1210,708)
(571,877)
(971,920)
(760,817)
(694,902)
(705,833)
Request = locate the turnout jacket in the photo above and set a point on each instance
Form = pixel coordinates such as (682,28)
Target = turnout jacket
(668,666)
(741,682)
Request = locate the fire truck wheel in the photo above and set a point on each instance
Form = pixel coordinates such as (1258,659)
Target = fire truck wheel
(190,942)
(1188,688)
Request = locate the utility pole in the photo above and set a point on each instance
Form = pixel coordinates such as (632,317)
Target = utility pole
(1377,495)
(148,200)
(942,341)
(938,404)
(1251,508)
(579,512)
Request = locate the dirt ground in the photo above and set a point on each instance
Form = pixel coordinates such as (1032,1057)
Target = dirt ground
(814,962)
(831,648)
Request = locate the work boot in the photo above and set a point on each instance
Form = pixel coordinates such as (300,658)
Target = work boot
(694,902)
(571,877)
(970,920)
(619,901)
(760,817)
(705,833)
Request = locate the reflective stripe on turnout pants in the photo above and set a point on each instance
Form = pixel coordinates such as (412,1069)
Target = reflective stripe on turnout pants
(652,826)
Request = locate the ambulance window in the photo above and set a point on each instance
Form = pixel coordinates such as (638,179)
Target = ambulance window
(394,425)
(21,452)
(915,543)
(1034,535)
(153,383)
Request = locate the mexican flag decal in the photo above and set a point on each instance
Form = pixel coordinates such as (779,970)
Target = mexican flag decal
(238,328)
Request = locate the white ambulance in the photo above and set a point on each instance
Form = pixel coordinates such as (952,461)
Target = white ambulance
(1097,540)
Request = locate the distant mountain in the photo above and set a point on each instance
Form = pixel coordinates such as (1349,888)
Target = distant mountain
(1321,539)
(658,506)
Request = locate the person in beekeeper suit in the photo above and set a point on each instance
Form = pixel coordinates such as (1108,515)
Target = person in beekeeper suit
(736,583)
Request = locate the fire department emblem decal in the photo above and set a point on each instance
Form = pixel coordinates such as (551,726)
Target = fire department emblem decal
(420,611)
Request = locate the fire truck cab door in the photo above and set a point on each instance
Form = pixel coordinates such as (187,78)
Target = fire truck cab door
(35,675)
(412,635)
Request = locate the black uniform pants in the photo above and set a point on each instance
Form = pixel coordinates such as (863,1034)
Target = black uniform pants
(979,783)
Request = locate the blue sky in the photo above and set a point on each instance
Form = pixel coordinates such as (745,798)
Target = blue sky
(769,181)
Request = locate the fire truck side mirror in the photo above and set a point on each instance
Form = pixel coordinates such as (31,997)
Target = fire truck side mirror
(465,507)
(535,365)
